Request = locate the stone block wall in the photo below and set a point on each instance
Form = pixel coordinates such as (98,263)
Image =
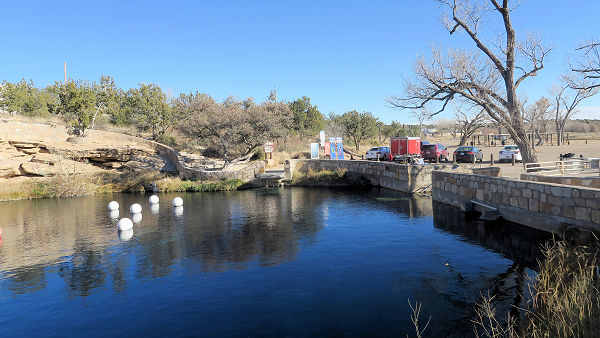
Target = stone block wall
(545,206)
(590,182)
(401,177)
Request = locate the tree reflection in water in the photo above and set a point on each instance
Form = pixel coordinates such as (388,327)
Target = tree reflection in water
(218,230)
(305,259)
(85,270)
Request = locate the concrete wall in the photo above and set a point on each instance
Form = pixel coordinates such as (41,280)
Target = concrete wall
(545,206)
(590,182)
(401,177)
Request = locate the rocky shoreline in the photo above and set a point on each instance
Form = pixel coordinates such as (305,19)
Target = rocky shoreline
(34,155)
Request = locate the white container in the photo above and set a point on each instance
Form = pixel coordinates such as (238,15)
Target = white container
(177,202)
(113,205)
(135,208)
(125,224)
(153,199)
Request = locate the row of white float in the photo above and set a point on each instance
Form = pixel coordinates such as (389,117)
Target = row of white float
(136,211)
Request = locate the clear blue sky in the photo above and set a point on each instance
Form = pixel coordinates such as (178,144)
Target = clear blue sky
(343,54)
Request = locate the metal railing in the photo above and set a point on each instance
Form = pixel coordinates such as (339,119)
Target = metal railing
(564,167)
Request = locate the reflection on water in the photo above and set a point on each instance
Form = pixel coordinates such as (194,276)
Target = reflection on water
(515,242)
(280,261)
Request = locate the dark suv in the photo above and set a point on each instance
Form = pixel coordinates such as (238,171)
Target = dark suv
(431,152)
(468,154)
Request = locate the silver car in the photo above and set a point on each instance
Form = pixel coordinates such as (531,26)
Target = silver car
(381,153)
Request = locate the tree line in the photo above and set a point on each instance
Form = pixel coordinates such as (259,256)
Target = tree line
(233,128)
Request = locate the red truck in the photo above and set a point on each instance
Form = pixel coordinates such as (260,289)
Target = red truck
(406,149)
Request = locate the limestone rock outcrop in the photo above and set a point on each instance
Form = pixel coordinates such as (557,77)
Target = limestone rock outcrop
(28,149)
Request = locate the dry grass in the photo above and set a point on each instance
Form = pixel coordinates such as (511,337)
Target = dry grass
(57,186)
(566,298)
(414,318)
(324,178)
(176,184)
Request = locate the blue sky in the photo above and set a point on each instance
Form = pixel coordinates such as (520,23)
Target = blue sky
(343,54)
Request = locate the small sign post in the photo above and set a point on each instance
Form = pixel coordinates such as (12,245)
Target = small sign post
(269,150)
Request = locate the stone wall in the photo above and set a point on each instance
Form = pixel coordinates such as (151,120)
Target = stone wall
(401,177)
(545,206)
(590,182)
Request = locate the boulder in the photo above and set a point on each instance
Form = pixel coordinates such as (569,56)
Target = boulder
(64,167)
(46,158)
(113,165)
(24,144)
(145,163)
(38,169)
(30,151)
(9,168)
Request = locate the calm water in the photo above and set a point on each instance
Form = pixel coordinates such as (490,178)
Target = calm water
(274,262)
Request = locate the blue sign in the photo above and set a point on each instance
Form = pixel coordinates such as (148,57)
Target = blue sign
(340,148)
(332,148)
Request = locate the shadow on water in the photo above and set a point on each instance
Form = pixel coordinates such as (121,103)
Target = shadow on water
(520,244)
(513,241)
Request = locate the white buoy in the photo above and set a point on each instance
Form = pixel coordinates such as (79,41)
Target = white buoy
(125,235)
(125,224)
(177,202)
(136,218)
(113,205)
(135,208)
(153,199)
(178,211)
(155,208)
(114,214)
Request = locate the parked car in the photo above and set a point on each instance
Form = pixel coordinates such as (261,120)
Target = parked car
(381,153)
(431,152)
(507,153)
(468,154)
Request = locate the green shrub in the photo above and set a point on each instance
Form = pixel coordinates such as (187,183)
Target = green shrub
(176,184)
(258,155)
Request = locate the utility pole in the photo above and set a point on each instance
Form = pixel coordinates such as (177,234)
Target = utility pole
(65,73)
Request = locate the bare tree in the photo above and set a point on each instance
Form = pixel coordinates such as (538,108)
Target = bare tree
(538,115)
(567,97)
(468,124)
(421,116)
(446,126)
(485,78)
(588,65)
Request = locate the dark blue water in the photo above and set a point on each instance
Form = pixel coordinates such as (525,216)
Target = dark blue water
(278,262)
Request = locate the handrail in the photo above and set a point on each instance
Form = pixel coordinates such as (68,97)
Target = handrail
(561,167)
